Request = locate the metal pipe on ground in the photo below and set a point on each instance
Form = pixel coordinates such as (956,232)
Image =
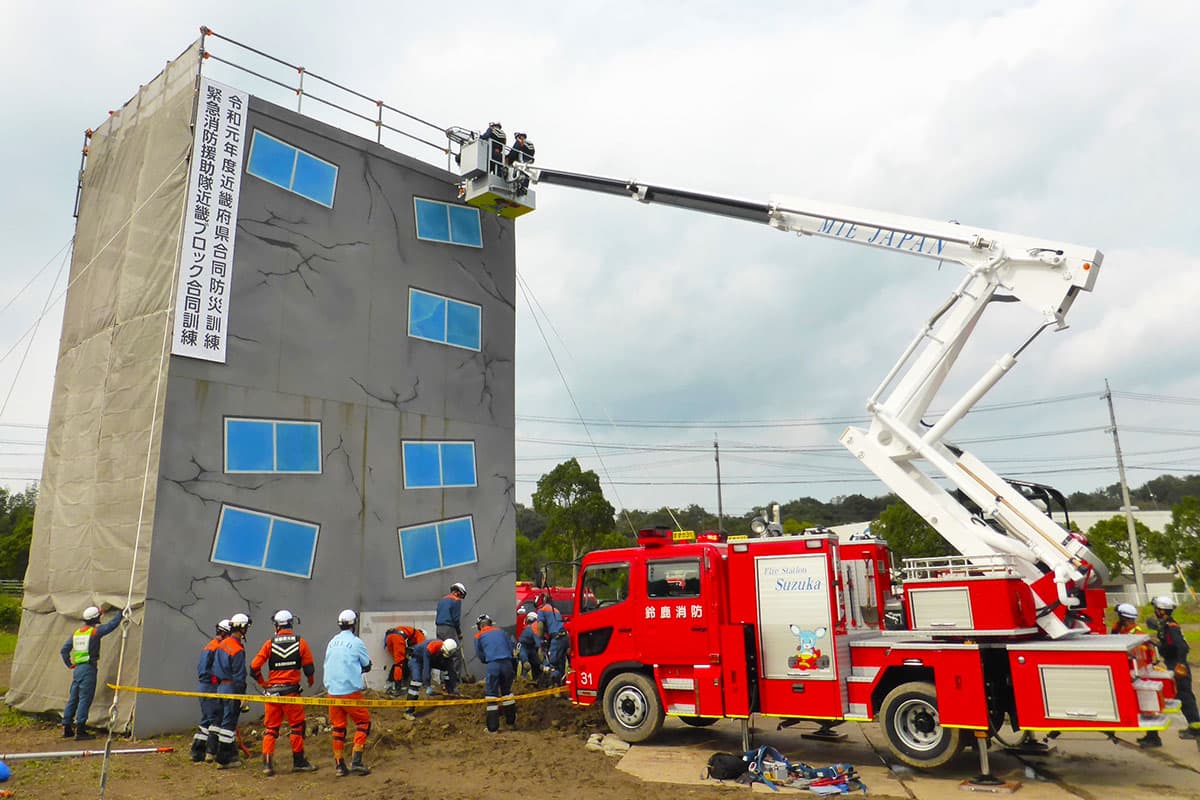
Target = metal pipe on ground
(128,751)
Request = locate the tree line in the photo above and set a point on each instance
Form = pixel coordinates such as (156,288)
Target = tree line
(16,531)
(570,517)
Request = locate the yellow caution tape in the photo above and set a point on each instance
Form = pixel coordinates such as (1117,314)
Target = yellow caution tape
(363,702)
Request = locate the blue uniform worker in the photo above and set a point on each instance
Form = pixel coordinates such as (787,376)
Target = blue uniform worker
(448,620)
(555,633)
(427,656)
(210,707)
(81,654)
(494,647)
(530,646)
(229,670)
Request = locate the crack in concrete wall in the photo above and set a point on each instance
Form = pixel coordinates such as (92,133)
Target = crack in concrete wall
(395,401)
(230,582)
(187,484)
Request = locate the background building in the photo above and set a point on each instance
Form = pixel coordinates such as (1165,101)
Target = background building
(352,449)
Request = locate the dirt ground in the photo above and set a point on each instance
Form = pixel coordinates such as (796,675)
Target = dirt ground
(446,754)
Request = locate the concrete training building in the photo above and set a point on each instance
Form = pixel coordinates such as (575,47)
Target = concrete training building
(352,448)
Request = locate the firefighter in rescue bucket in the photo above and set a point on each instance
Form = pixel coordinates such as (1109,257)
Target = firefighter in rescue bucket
(81,655)
(448,620)
(285,655)
(398,642)
(554,632)
(494,648)
(1173,649)
(496,135)
(529,657)
(346,660)
(229,670)
(522,151)
(429,655)
(210,707)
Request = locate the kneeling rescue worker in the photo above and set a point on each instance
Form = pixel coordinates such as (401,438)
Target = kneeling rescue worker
(346,660)
(494,647)
(429,655)
(285,655)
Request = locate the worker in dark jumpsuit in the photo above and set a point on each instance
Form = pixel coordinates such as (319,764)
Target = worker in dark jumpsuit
(1173,649)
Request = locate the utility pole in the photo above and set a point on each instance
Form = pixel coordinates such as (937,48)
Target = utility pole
(720,508)
(1134,553)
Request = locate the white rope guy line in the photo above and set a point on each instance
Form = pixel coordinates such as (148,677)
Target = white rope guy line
(99,252)
(29,344)
(525,290)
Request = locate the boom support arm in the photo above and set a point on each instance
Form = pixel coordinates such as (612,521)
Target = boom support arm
(1044,275)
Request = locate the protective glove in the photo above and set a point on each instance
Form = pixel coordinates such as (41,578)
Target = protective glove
(1181,670)
(310,680)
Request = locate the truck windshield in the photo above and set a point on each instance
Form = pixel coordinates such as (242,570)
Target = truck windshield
(604,585)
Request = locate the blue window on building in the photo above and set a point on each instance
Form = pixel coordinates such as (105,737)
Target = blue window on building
(272,445)
(429,465)
(441,319)
(437,545)
(291,168)
(257,540)
(447,222)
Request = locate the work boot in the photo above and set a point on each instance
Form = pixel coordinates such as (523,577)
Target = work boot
(357,766)
(300,763)
(82,734)
(493,720)
(268,765)
(1190,732)
(198,750)
(1150,740)
(510,715)
(227,756)
(339,768)
(68,730)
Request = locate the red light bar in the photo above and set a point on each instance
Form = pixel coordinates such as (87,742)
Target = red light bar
(655,537)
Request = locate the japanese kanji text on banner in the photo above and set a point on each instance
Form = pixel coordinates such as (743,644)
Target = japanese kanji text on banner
(210,222)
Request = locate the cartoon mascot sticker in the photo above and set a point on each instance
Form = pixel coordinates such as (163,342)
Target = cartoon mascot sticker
(808,656)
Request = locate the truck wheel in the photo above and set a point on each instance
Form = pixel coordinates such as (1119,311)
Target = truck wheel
(914,733)
(698,722)
(632,708)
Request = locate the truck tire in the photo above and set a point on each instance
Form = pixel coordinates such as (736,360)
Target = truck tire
(632,708)
(909,715)
(699,722)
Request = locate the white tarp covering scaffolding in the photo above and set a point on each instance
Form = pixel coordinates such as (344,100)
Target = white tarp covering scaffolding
(105,414)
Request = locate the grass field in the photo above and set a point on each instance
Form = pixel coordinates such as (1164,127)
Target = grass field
(8,643)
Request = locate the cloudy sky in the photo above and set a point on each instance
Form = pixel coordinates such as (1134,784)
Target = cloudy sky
(1077,121)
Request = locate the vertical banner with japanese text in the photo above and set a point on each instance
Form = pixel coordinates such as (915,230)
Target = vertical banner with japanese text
(210,223)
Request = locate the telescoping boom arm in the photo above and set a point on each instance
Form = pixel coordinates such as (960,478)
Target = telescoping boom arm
(905,453)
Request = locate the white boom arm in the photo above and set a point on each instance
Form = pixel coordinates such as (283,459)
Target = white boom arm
(1000,267)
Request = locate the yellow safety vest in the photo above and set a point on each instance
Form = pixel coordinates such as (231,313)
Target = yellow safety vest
(80,645)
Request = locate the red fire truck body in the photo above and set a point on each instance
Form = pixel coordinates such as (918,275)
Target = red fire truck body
(792,627)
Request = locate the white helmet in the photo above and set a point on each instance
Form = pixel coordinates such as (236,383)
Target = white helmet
(459,588)
(347,618)
(531,617)
(239,622)
(91,614)
(449,647)
(224,626)
(1126,611)
(283,618)
(1164,602)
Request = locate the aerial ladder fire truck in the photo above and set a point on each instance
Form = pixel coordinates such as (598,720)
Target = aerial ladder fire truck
(1008,632)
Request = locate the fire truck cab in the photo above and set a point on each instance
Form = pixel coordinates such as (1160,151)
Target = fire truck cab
(792,627)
